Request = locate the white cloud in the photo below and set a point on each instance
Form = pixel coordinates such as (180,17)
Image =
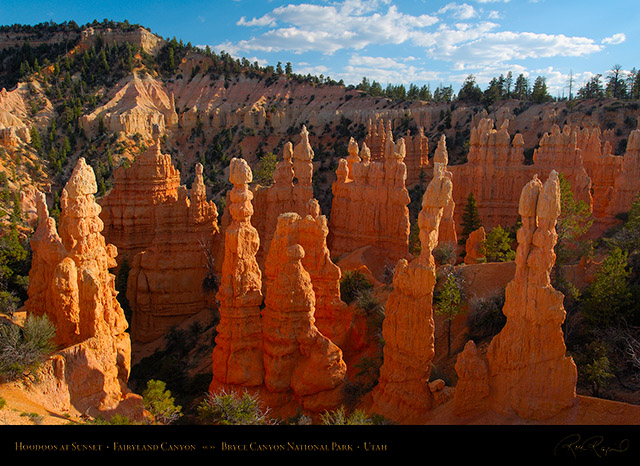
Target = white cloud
(385,70)
(615,39)
(493,1)
(462,12)
(350,24)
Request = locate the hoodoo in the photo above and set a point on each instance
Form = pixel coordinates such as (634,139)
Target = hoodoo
(70,283)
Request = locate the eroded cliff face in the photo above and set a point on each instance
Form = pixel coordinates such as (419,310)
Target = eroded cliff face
(527,370)
(402,393)
(369,206)
(166,281)
(70,282)
(128,209)
(141,105)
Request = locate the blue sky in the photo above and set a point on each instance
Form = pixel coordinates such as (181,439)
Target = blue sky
(390,41)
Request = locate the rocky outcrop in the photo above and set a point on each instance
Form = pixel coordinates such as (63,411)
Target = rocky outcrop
(402,393)
(238,354)
(494,156)
(128,209)
(559,151)
(529,374)
(417,149)
(141,106)
(166,280)
(71,284)
(291,191)
(627,183)
(332,316)
(447,229)
(300,364)
(369,206)
(473,246)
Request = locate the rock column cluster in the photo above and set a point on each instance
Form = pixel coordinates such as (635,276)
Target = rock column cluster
(527,370)
(370,204)
(71,284)
(402,393)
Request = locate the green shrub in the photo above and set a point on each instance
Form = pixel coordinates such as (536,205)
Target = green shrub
(23,349)
(352,284)
(232,409)
(444,254)
(159,402)
(340,417)
(497,246)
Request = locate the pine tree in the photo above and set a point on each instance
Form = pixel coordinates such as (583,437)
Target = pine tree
(470,218)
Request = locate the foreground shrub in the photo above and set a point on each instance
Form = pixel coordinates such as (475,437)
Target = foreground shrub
(231,408)
(159,402)
(22,350)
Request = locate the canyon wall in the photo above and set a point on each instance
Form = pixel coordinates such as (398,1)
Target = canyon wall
(166,283)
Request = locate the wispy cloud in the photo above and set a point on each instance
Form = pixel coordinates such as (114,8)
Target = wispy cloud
(615,39)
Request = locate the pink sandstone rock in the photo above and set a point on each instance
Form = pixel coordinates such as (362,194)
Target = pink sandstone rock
(402,394)
(71,284)
(165,284)
(128,209)
(237,356)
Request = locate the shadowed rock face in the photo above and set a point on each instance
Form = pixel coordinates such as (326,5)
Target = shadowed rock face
(402,393)
(528,373)
(71,284)
(165,284)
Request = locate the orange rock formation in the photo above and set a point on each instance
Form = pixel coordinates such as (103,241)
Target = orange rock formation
(71,284)
(494,156)
(447,229)
(402,394)
(128,209)
(237,356)
(417,149)
(332,316)
(290,192)
(369,206)
(165,283)
(300,364)
(529,374)
(473,246)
